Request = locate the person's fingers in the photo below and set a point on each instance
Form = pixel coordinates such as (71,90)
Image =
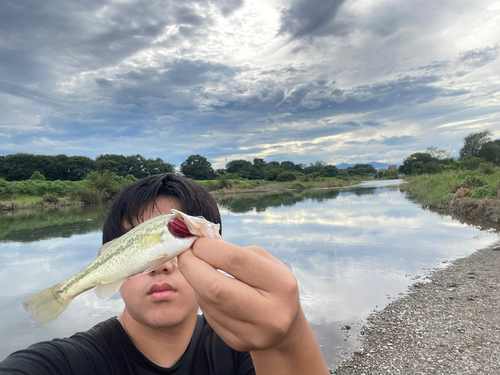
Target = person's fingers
(263,253)
(224,293)
(245,264)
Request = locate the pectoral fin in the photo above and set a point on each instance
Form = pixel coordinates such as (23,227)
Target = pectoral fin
(107,290)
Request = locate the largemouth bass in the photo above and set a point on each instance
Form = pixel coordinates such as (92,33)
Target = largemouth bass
(141,250)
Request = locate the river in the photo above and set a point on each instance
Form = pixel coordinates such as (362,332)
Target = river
(352,250)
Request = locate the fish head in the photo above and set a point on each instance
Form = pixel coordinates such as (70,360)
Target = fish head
(198,226)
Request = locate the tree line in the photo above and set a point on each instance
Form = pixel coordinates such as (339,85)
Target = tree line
(199,168)
(24,166)
(478,149)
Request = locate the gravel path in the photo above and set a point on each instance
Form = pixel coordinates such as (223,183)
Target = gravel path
(450,325)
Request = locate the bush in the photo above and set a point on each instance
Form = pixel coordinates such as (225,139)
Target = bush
(50,198)
(88,195)
(472,163)
(487,168)
(472,182)
(482,192)
(106,183)
(297,185)
(306,178)
(37,176)
(224,182)
(286,176)
(3,187)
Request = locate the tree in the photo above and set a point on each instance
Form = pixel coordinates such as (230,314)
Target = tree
(244,169)
(286,176)
(78,167)
(490,151)
(328,171)
(155,166)
(271,172)
(259,163)
(198,167)
(432,167)
(37,176)
(418,157)
(437,153)
(288,166)
(236,166)
(473,143)
(361,170)
(314,167)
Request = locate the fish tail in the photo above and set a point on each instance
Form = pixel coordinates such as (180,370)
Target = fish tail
(45,306)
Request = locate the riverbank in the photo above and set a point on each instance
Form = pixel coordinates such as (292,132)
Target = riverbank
(448,325)
(237,187)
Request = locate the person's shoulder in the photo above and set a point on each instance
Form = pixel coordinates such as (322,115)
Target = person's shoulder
(64,355)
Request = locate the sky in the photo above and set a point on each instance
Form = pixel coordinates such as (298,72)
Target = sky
(340,81)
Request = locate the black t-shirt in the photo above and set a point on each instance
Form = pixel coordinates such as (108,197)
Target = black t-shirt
(106,349)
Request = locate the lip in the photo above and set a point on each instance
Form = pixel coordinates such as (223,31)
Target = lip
(161,291)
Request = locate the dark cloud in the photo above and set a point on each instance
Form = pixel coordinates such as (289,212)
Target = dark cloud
(477,58)
(309,18)
(229,6)
(43,38)
(372,123)
(435,65)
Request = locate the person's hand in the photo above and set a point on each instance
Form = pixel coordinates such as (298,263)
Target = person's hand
(258,310)
(255,309)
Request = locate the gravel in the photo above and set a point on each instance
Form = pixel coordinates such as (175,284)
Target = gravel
(449,325)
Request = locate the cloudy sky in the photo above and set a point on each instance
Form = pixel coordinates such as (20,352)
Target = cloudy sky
(300,80)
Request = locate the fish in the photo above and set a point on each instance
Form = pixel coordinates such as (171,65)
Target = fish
(141,250)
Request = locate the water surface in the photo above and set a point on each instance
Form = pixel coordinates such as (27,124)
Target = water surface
(352,251)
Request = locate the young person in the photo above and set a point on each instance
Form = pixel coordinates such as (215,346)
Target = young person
(252,323)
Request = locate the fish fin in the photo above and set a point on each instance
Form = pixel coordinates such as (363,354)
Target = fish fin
(107,290)
(105,247)
(44,307)
(150,240)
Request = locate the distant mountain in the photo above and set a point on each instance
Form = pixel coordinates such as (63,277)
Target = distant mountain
(375,164)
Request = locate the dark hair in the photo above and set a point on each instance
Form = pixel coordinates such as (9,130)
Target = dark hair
(130,203)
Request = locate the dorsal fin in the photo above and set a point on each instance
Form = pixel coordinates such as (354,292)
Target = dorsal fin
(106,246)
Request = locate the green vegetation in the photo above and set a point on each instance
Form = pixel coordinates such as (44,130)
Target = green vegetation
(440,189)
(63,180)
(468,186)
(97,187)
(22,166)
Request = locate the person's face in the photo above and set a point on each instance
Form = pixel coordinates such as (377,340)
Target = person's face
(162,298)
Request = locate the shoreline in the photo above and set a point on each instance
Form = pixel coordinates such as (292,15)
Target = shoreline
(38,202)
(449,325)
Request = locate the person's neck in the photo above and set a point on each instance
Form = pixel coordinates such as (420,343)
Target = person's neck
(162,346)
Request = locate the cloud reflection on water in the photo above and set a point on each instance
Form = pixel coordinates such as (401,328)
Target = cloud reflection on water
(351,251)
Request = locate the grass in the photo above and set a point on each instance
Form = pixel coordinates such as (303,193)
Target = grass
(438,190)
(244,185)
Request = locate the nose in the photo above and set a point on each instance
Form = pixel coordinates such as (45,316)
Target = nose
(167,267)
